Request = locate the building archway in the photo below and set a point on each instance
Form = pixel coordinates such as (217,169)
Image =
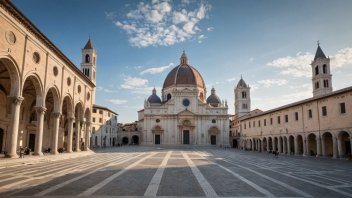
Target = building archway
(344,144)
(96,141)
(67,113)
(270,143)
(234,143)
(291,146)
(312,145)
(125,140)
(77,136)
(265,144)
(135,139)
(299,144)
(1,139)
(327,145)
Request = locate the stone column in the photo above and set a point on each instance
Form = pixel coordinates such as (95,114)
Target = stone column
(318,146)
(334,147)
(78,133)
(284,145)
(13,132)
(305,146)
(252,145)
(87,136)
(39,135)
(267,145)
(296,146)
(55,137)
(279,145)
(83,130)
(288,146)
(70,134)
(323,150)
(339,147)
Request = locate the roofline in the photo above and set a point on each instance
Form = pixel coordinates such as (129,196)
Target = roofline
(17,14)
(105,108)
(340,91)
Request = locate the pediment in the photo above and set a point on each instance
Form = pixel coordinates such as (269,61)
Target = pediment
(186,113)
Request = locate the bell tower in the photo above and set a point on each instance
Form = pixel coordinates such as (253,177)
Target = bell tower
(242,98)
(88,64)
(321,76)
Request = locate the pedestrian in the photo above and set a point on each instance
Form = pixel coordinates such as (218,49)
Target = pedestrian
(22,152)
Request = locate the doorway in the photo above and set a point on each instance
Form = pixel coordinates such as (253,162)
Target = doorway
(157,139)
(234,143)
(186,137)
(213,140)
(31,142)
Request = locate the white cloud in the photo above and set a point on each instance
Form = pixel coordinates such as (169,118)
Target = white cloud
(299,65)
(100,88)
(201,38)
(134,82)
(156,70)
(270,83)
(117,101)
(159,23)
(230,80)
(210,29)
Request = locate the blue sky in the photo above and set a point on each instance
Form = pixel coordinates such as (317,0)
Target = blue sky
(271,43)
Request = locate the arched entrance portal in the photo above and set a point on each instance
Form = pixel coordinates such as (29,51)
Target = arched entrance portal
(327,144)
(344,144)
(135,139)
(312,145)
(299,145)
(234,143)
(125,140)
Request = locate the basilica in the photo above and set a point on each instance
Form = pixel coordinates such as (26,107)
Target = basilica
(183,114)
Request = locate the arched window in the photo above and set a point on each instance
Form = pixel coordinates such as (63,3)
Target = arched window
(87,58)
(324,69)
(244,94)
(168,97)
(317,70)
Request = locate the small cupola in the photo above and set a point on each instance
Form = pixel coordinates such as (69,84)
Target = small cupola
(184,59)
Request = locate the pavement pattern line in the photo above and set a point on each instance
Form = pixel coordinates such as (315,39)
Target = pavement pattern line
(101,184)
(207,188)
(111,162)
(298,178)
(293,189)
(154,184)
(64,171)
(255,186)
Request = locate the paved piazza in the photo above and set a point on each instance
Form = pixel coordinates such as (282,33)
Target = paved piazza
(137,171)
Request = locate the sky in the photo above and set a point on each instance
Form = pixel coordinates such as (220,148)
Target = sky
(270,43)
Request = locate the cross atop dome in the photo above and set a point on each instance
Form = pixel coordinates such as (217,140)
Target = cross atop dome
(183,59)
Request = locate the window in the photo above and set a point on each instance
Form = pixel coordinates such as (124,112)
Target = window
(342,108)
(100,111)
(213,121)
(94,110)
(168,97)
(296,116)
(259,123)
(244,94)
(324,69)
(109,114)
(93,119)
(100,120)
(316,85)
(244,106)
(87,58)
(278,119)
(286,118)
(93,129)
(253,123)
(249,123)
(326,83)
(324,111)
(317,70)
(310,113)
(271,121)
(264,122)
(244,126)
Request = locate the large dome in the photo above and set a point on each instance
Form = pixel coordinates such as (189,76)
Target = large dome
(184,74)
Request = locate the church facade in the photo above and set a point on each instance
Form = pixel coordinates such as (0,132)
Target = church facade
(183,114)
